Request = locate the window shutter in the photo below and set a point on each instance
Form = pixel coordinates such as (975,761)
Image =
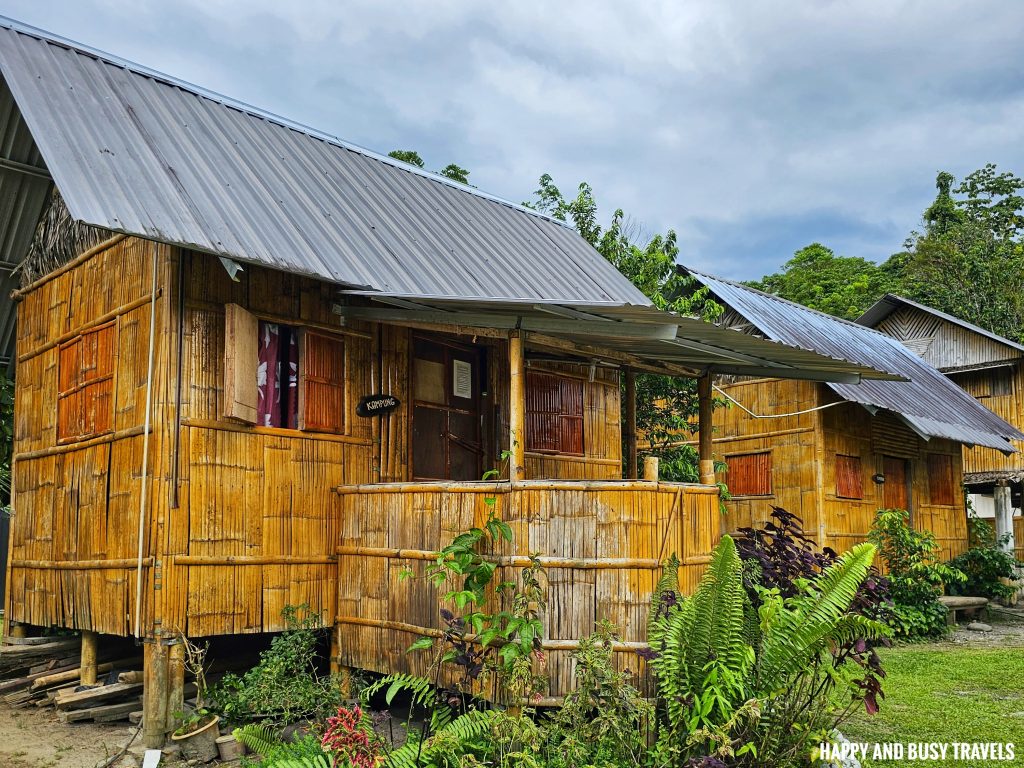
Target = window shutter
(940,479)
(241,360)
(749,474)
(554,413)
(849,477)
(322,383)
(85,378)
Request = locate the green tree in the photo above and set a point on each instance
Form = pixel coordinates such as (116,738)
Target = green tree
(843,286)
(451,171)
(666,406)
(969,260)
(407,156)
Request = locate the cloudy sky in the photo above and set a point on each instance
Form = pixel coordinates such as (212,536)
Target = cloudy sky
(749,129)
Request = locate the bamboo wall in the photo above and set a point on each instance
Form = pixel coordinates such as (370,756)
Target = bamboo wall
(804,450)
(603,544)
(1009,405)
(73,536)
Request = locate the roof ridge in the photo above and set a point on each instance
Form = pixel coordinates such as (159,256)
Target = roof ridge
(272,117)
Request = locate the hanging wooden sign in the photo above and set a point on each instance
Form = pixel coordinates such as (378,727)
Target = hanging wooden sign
(376,405)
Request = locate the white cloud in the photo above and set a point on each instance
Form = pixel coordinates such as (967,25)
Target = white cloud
(752,128)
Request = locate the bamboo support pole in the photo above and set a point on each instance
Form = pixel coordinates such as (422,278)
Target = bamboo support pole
(254,560)
(630,425)
(175,682)
(81,565)
(87,669)
(154,696)
(518,561)
(517,408)
(705,405)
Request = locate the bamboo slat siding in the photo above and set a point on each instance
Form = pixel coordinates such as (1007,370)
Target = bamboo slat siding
(811,452)
(604,543)
(1005,401)
(79,502)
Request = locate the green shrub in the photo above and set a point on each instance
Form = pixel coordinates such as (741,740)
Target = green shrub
(757,687)
(284,687)
(916,579)
(984,564)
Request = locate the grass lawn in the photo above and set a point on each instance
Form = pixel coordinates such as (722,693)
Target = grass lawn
(947,693)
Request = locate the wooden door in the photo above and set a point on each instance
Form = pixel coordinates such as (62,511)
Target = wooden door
(446,388)
(896,489)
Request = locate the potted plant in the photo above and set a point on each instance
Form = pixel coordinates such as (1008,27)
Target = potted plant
(197,731)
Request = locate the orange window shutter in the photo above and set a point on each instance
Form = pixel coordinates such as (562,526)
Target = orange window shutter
(241,360)
(849,477)
(322,401)
(940,479)
(749,474)
(554,413)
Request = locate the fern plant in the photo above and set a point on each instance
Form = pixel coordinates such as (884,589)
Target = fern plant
(754,687)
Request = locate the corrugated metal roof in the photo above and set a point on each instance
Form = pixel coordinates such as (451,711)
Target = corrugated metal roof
(889,303)
(929,403)
(644,332)
(138,152)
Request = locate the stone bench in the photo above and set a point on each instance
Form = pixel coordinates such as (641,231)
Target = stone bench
(971,606)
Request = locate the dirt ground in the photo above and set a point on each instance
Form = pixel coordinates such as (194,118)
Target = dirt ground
(34,738)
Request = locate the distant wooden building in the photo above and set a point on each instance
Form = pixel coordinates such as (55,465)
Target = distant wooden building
(257,366)
(988,367)
(835,453)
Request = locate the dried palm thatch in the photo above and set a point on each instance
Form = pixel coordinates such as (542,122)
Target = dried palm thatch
(58,239)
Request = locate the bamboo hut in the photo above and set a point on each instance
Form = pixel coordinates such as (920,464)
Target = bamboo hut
(258,366)
(988,367)
(835,453)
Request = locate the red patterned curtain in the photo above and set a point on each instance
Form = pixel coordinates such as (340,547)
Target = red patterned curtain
(277,376)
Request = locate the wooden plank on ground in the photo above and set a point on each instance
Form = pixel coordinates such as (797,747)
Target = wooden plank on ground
(90,696)
(106,713)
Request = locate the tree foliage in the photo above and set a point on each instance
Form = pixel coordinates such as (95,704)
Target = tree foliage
(843,286)
(451,171)
(666,406)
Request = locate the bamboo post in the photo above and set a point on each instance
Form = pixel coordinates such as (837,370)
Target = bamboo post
(87,669)
(631,457)
(517,408)
(651,468)
(17,629)
(1004,516)
(175,683)
(705,408)
(154,695)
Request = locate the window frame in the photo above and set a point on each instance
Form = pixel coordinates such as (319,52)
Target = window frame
(238,382)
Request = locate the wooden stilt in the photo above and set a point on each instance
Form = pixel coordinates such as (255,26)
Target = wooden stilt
(705,406)
(175,684)
(87,671)
(154,696)
(630,425)
(19,630)
(517,408)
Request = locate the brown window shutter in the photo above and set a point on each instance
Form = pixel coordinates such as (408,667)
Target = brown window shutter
(241,359)
(85,379)
(849,477)
(940,479)
(554,413)
(321,383)
(749,474)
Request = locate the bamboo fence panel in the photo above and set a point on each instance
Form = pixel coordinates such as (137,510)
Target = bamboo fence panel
(603,544)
